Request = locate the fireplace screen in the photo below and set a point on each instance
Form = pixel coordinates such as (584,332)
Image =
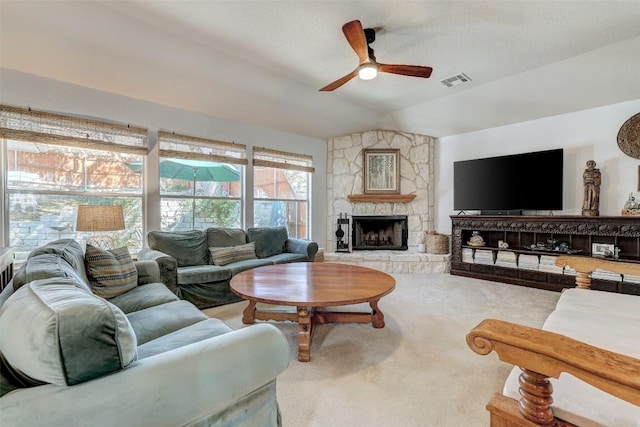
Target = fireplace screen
(380,232)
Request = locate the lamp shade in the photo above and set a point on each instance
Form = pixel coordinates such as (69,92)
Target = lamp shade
(99,218)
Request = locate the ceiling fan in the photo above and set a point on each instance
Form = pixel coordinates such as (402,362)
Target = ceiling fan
(359,39)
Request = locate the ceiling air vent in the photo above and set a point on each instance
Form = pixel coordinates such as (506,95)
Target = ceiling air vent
(456,80)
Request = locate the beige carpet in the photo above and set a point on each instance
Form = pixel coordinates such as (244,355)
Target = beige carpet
(418,370)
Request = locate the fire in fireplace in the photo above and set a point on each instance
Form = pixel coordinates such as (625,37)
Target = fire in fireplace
(388,232)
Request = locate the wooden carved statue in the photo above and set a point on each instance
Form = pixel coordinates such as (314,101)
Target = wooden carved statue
(591,179)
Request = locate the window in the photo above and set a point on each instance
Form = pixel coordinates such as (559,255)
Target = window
(281,183)
(55,163)
(200,182)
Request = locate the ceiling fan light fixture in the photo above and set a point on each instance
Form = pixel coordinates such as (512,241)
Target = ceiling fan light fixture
(368,71)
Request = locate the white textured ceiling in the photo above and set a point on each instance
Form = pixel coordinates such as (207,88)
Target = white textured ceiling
(262,62)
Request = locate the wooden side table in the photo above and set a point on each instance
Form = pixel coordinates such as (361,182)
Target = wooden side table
(6,266)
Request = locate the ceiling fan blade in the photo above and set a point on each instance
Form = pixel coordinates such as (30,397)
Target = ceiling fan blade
(335,85)
(355,36)
(406,70)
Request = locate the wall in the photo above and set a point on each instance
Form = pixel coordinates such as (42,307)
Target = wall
(22,89)
(417,176)
(584,135)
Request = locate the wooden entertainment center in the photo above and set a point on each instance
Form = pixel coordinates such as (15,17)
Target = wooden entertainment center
(520,232)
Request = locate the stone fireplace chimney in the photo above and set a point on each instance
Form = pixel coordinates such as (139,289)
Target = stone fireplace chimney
(417,177)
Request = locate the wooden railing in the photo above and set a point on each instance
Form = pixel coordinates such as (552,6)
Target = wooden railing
(542,354)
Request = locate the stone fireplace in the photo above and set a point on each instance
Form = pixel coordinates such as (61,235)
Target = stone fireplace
(379,232)
(417,179)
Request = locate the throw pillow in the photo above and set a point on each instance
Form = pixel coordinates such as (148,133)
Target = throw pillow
(111,273)
(51,331)
(224,256)
(269,240)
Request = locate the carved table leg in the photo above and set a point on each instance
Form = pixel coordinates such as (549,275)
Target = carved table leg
(304,334)
(377,318)
(536,391)
(249,313)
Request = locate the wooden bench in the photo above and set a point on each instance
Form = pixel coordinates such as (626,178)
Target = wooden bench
(542,355)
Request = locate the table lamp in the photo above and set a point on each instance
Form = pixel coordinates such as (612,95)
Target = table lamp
(95,218)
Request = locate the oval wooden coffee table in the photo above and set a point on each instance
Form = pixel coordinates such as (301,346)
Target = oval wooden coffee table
(309,287)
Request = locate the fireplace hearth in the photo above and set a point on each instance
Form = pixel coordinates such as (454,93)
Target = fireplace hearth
(380,232)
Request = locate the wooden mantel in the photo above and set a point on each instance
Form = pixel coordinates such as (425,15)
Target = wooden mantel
(381,198)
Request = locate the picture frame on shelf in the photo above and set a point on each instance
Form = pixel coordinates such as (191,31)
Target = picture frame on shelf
(602,249)
(381,171)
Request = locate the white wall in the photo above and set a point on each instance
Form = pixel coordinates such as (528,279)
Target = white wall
(584,135)
(27,90)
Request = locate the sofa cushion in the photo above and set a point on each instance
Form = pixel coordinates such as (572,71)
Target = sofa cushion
(188,247)
(52,331)
(221,237)
(269,240)
(203,330)
(111,273)
(70,250)
(227,255)
(144,296)
(44,266)
(153,322)
(287,257)
(589,300)
(240,266)
(203,274)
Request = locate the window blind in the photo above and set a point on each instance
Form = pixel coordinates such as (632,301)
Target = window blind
(282,160)
(25,124)
(174,145)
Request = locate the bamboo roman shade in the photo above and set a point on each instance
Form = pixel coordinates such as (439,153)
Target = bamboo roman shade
(25,124)
(282,160)
(177,146)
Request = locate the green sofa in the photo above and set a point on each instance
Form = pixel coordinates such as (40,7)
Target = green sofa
(142,357)
(198,265)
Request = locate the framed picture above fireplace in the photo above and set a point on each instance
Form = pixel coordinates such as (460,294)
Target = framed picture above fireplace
(381,171)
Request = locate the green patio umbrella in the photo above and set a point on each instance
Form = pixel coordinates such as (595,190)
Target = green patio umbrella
(194,170)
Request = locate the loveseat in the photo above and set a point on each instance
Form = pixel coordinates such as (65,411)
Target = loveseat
(139,356)
(582,367)
(198,265)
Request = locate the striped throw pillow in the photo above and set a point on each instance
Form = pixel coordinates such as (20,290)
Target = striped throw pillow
(111,273)
(229,254)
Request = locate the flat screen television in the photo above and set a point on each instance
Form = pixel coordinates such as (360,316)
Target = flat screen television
(528,181)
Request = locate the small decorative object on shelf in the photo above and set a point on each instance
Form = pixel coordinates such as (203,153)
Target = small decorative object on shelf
(476,239)
(551,246)
(342,236)
(592,180)
(616,252)
(502,244)
(606,250)
(631,207)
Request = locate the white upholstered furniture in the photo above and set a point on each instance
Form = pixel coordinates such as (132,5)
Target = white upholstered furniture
(581,368)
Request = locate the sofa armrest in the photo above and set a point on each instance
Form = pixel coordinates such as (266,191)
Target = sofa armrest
(148,272)
(542,354)
(300,246)
(167,264)
(173,388)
